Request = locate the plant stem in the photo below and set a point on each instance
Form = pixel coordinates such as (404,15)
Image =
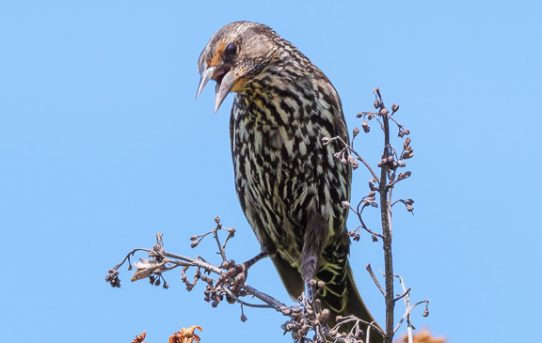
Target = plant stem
(385,212)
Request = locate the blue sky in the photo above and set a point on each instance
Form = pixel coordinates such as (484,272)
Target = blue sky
(102,144)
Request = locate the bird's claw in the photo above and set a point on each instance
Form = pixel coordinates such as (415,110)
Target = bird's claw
(234,273)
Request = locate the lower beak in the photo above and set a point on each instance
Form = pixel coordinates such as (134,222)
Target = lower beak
(223,85)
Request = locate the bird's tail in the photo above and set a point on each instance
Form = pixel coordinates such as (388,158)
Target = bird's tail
(342,298)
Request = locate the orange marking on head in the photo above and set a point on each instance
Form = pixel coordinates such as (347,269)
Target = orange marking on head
(217,57)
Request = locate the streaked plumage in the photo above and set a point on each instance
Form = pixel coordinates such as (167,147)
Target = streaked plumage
(289,184)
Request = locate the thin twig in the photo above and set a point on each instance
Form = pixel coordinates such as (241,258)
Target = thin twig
(375,279)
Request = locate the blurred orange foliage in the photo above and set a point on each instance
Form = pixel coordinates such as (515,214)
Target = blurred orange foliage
(186,335)
(423,336)
(140,338)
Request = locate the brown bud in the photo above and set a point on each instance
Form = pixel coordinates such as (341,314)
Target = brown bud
(383,112)
(394,108)
(323,316)
(365,126)
(408,154)
(355,132)
(404,175)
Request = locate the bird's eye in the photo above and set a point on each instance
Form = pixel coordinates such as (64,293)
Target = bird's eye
(230,51)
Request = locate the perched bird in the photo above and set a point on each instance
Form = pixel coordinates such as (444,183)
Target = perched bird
(288,181)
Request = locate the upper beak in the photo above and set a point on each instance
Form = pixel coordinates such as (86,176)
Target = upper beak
(224,84)
(206,75)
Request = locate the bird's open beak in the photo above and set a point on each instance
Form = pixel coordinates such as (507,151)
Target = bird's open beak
(225,80)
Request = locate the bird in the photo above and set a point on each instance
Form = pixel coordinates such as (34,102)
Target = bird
(290,184)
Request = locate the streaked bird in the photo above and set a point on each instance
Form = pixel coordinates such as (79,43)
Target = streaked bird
(288,181)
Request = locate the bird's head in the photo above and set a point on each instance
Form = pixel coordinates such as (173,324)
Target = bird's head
(235,54)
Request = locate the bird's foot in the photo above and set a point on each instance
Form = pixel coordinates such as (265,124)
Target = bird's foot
(236,274)
(250,262)
(308,295)
(308,315)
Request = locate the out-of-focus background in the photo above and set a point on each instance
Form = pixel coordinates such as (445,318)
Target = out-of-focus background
(102,144)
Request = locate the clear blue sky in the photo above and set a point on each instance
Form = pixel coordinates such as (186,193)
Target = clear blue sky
(102,144)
